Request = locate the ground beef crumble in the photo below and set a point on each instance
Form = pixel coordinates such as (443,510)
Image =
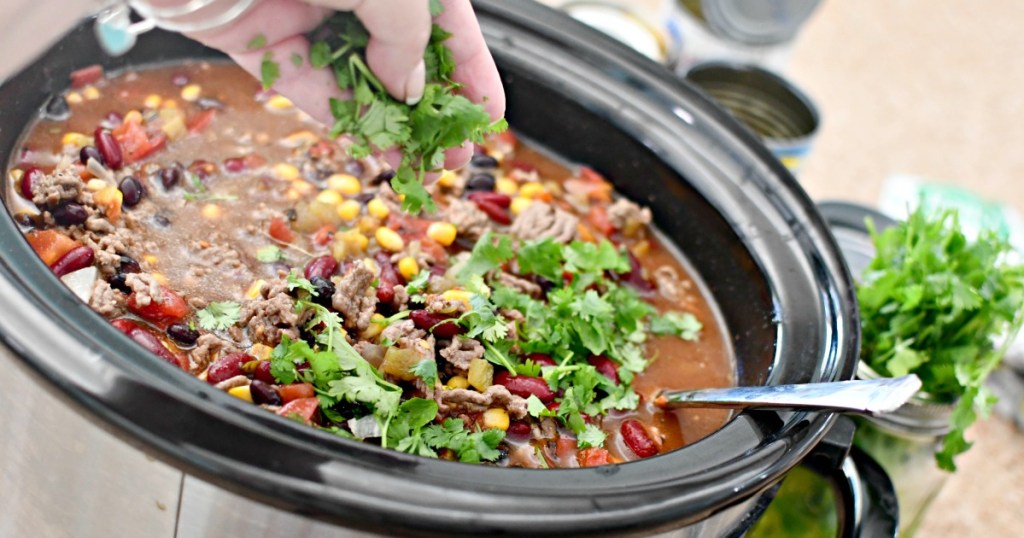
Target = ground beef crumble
(461,351)
(354,297)
(541,220)
(450,400)
(272,315)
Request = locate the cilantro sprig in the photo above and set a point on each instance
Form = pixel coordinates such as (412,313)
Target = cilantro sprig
(932,303)
(441,120)
(218,316)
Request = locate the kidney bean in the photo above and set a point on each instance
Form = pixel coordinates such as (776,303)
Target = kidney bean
(481,182)
(75,259)
(605,366)
(227,367)
(637,439)
(440,325)
(90,152)
(321,266)
(496,213)
(202,169)
(234,164)
(518,429)
(183,334)
(108,148)
(70,214)
(262,393)
(542,359)
(129,265)
(262,372)
(635,276)
(388,278)
(132,191)
(524,386)
(149,342)
(495,198)
(86,75)
(118,282)
(30,178)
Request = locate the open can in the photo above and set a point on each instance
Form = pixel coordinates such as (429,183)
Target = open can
(781,115)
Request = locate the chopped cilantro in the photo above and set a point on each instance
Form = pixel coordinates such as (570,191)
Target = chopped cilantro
(270,71)
(297,59)
(682,324)
(294,281)
(426,370)
(270,254)
(218,316)
(257,42)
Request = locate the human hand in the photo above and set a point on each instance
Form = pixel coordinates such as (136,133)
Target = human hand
(399,31)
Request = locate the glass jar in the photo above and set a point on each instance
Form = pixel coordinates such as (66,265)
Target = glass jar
(904,443)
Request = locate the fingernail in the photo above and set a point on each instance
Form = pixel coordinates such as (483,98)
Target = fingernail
(415,83)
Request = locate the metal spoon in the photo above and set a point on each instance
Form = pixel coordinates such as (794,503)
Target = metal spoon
(868,397)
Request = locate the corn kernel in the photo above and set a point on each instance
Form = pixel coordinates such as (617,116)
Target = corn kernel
(299,139)
(462,296)
(349,209)
(408,268)
(191,92)
(447,179)
(170,104)
(329,197)
(15,175)
(389,239)
(292,194)
(345,184)
(133,116)
(376,327)
(211,211)
(519,204)
(279,102)
(285,171)
(480,374)
(90,93)
(254,290)
(495,418)
(73,98)
(367,224)
(303,187)
(378,208)
(531,189)
(109,198)
(442,232)
(160,278)
(457,382)
(243,393)
(507,186)
(150,259)
(95,185)
(261,351)
(152,101)
(78,140)
(349,243)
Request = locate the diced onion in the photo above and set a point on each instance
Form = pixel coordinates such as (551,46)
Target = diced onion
(81,282)
(365,428)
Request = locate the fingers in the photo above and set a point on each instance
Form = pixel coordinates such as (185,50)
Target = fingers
(399,31)
(475,67)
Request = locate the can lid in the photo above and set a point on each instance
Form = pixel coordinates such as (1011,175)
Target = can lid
(757,23)
(623,25)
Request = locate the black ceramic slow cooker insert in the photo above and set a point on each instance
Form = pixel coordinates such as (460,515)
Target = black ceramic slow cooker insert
(738,217)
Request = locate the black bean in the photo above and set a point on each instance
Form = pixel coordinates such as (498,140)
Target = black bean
(129,265)
(262,393)
(324,290)
(355,168)
(90,152)
(209,103)
(57,108)
(365,197)
(161,221)
(482,160)
(291,214)
(386,175)
(482,181)
(183,334)
(132,190)
(70,214)
(118,283)
(171,175)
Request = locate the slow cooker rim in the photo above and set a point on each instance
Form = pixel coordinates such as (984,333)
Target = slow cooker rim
(814,426)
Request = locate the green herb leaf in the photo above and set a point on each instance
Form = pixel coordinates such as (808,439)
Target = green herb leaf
(270,71)
(682,324)
(297,59)
(218,316)
(270,254)
(257,42)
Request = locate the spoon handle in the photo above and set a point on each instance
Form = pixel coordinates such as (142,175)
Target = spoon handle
(869,397)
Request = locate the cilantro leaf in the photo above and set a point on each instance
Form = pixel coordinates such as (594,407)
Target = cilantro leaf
(426,370)
(270,254)
(257,42)
(682,324)
(295,281)
(270,71)
(489,253)
(541,258)
(590,436)
(218,316)
(297,59)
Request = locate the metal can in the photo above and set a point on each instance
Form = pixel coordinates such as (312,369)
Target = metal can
(781,115)
(644,26)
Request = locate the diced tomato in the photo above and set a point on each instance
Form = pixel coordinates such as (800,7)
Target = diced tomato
(280,230)
(296,391)
(171,309)
(86,75)
(156,143)
(133,140)
(598,217)
(50,245)
(593,457)
(304,408)
(566,449)
(201,121)
(324,235)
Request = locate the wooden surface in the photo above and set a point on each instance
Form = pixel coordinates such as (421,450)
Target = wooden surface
(934,89)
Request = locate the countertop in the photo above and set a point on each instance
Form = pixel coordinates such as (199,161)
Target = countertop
(931,89)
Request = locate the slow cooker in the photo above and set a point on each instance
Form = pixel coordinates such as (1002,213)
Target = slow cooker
(101,440)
